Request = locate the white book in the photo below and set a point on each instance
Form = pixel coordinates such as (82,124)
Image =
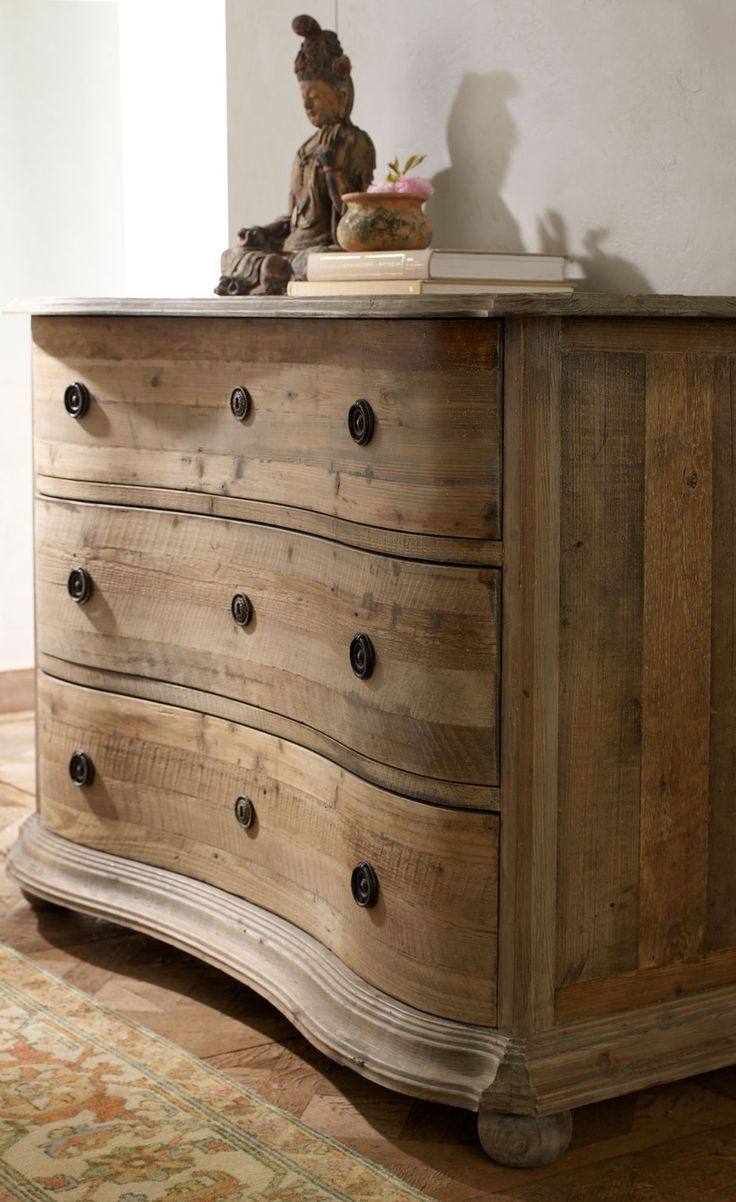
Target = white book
(434,264)
(422,287)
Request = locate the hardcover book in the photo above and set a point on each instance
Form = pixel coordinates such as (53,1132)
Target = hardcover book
(433,264)
(388,287)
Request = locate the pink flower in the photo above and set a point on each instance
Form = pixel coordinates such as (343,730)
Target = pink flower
(412,183)
(405,183)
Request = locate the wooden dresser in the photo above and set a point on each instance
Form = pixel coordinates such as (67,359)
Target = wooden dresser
(387,661)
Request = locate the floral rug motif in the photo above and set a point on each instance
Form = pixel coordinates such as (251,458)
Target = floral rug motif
(93,1108)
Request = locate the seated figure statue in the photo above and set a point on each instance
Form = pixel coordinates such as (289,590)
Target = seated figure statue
(338,158)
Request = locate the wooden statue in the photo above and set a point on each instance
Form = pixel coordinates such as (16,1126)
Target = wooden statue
(338,158)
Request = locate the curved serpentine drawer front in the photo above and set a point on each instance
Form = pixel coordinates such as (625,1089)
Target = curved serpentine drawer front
(287,829)
(161,408)
(395,660)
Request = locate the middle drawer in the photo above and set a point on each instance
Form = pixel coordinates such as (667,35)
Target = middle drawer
(167,592)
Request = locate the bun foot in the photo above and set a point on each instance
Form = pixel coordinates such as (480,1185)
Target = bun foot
(524,1141)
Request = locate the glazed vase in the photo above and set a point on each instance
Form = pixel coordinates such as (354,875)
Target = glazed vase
(384,221)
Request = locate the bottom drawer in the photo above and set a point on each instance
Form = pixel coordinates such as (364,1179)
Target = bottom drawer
(165,788)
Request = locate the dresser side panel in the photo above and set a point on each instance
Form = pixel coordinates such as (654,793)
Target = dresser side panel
(647,689)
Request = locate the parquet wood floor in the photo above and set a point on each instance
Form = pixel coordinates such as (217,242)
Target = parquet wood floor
(676,1143)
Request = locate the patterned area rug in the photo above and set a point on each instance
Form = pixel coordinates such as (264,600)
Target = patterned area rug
(93,1108)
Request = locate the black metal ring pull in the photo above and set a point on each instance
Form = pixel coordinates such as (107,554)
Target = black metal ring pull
(241,609)
(240,403)
(76,399)
(362,656)
(364,885)
(81,769)
(79,585)
(245,812)
(361,422)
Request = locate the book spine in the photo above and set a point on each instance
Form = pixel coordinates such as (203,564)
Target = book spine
(372,265)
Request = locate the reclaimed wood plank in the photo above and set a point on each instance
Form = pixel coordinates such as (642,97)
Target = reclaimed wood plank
(670,335)
(162,586)
(645,987)
(164,791)
(403,544)
(721,931)
(601,589)
(676,664)
(529,763)
(159,415)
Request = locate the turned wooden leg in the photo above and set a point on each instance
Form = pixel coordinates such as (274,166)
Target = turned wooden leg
(524,1141)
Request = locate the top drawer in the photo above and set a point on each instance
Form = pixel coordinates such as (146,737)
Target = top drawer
(160,414)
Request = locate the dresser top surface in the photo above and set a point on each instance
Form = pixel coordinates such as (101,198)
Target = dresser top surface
(582,304)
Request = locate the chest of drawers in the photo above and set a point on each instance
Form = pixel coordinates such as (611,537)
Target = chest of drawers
(386,660)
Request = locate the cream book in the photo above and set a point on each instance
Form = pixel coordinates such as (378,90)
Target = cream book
(423,287)
(432,264)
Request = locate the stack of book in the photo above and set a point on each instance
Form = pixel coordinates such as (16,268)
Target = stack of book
(428,272)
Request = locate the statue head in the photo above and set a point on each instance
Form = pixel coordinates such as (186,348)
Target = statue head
(323,71)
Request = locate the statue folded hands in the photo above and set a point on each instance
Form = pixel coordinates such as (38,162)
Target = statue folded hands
(338,158)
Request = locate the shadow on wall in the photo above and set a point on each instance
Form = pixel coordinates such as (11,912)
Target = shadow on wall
(481,135)
(599,272)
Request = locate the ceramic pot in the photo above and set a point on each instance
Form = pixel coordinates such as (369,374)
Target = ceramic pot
(384,221)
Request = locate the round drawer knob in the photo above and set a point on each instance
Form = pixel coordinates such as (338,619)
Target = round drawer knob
(364,885)
(79,585)
(245,812)
(241,609)
(362,656)
(240,403)
(361,422)
(81,769)
(76,399)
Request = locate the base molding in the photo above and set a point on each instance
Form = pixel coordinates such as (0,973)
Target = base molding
(404,1049)
(553,1071)
(383,1039)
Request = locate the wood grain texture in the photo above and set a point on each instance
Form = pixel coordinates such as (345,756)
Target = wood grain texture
(584,1062)
(670,335)
(530,673)
(721,919)
(645,986)
(164,792)
(427,307)
(160,416)
(382,1038)
(483,552)
(648,690)
(419,788)
(601,582)
(160,608)
(676,665)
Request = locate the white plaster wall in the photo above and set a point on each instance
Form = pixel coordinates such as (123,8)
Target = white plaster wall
(601,128)
(113,182)
(174,138)
(60,232)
